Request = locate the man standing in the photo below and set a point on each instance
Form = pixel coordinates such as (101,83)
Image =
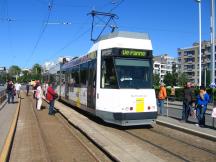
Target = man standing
(161,97)
(27,89)
(17,87)
(51,96)
(187,101)
(10,91)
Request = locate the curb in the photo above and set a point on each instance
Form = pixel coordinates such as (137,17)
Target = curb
(187,130)
(9,139)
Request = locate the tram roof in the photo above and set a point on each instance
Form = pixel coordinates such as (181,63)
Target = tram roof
(135,35)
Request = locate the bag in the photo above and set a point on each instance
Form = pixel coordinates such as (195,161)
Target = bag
(199,106)
(213,113)
(193,113)
(55,96)
(14,92)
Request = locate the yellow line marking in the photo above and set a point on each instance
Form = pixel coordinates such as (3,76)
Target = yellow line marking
(6,148)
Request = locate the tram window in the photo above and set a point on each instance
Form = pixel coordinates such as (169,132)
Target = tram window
(83,74)
(71,82)
(75,77)
(133,73)
(108,73)
(92,73)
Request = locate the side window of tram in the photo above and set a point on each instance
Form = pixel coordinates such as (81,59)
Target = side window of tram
(83,74)
(75,77)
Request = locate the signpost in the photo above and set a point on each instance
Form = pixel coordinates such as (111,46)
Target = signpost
(213,85)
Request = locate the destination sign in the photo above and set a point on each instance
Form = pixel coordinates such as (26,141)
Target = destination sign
(127,52)
(133,53)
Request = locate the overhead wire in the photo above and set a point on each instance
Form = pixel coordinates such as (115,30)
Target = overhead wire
(82,34)
(50,6)
(10,43)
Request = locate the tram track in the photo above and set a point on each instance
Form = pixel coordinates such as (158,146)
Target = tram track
(174,146)
(73,133)
(56,139)
(180,140)
(164,142)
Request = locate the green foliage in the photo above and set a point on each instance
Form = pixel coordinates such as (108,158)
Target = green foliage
(208,77)
(14,71)
(179,93)
(36,69)
(16,74)
(182,79)
(171,79)
(36,72)
(156,80)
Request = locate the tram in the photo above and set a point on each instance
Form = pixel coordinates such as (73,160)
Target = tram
(114,80)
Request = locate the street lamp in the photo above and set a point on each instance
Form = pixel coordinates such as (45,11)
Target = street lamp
(212,28)
(200,47)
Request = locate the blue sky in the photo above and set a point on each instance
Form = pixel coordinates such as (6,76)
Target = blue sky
(27,39)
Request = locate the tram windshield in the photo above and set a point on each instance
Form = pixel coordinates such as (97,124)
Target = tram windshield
(128,73)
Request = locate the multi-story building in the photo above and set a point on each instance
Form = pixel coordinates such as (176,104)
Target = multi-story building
(188,60)
(164,64)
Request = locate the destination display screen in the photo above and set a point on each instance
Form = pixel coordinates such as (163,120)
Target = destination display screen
(127,53)
(133,53)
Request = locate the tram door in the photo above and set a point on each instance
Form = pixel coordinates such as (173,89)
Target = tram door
(91,88)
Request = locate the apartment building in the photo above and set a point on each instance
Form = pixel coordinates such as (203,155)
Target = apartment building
(188,60)
(163,64)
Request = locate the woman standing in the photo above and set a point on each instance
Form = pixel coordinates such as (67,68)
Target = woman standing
(39,95)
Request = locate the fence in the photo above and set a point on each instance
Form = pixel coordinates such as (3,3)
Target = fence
(2,96)
(174,109)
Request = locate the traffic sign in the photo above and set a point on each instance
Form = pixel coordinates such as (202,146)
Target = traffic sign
(212,85)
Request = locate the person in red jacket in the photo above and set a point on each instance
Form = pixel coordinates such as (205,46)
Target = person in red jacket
(51,96)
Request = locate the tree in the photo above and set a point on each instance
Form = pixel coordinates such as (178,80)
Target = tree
(156,80)
(14,71)
(37,72)
(174,68)
(171,79)
(182,79)
(26,77)
(168,79)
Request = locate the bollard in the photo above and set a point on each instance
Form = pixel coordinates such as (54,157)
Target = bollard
(167,106)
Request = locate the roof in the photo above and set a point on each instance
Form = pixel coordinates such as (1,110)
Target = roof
(135,35)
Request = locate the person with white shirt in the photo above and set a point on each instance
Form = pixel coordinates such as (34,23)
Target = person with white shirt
(39,96)
(17,88)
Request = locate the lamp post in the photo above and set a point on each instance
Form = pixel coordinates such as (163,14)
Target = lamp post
(212,29)
(200,47)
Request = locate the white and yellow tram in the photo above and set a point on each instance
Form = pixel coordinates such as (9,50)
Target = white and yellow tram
(114,80)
